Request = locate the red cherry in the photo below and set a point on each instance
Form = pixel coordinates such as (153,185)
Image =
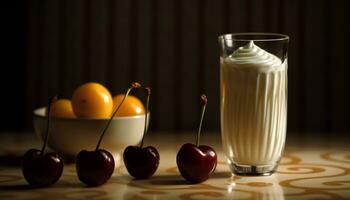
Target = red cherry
(94,167)
(41,169)
(142,162)
(197,162)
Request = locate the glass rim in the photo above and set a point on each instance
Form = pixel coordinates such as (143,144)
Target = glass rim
(233,37)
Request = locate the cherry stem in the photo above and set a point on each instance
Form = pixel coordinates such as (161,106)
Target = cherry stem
(51,100)
(134,85)
(204,102)
(148,90)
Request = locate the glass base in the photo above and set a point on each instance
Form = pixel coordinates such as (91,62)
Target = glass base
(253,170)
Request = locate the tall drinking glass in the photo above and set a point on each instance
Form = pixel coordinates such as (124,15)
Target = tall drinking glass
(253,102)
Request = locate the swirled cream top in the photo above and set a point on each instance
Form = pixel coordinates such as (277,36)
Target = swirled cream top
(252,57)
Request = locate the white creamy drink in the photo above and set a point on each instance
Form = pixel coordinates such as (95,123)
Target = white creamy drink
(253,106)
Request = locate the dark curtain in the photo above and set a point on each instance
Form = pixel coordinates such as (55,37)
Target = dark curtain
(171,45)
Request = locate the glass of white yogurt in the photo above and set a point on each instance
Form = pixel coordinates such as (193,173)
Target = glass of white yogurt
(253,100)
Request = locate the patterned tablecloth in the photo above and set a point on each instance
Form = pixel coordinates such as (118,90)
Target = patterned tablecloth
(307,171)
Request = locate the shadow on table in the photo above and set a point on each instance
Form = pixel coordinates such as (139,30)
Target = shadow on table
(173,179)
(169,180)
(22,187)
(25,186)
(10,161)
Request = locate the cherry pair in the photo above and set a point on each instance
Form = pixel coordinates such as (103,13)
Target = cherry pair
(195,162)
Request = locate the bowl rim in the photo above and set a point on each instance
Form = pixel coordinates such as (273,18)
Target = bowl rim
(36,113)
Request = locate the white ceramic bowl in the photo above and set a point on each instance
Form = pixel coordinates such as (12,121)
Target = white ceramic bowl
(70,136)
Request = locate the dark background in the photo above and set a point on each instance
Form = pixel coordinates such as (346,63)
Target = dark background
(53,46)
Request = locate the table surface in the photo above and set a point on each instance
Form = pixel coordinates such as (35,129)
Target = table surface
(308,170)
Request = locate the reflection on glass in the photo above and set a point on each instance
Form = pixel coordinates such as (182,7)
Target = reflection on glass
(261,189)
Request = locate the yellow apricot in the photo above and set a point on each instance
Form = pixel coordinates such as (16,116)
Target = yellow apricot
(131,106)
(62,108)
(92,100)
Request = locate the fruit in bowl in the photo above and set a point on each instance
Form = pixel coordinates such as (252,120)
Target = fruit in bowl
(131,106)
(62,108)
(92,100)
(70,135)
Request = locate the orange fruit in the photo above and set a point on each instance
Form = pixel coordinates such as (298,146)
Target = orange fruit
(131,106)
(92,100)
(62,108)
